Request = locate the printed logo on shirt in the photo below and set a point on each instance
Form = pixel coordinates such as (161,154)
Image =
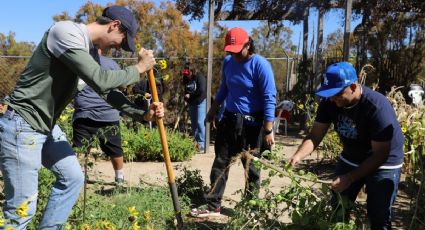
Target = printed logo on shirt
(191,87)
(346,127)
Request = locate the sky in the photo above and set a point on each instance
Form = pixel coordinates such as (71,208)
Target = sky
(30,19)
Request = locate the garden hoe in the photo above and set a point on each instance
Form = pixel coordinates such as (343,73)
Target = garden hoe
(161,128)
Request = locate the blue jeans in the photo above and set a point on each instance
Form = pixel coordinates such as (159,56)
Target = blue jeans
(197,115)
(381,188)
(22,152)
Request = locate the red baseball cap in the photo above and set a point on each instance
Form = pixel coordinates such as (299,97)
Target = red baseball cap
(236,38)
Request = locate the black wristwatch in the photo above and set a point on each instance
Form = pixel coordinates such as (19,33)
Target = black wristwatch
(268,131)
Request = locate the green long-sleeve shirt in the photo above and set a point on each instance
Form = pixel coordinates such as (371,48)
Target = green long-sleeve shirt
(49,81)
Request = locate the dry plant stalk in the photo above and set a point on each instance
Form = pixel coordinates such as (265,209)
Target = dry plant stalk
(249,155)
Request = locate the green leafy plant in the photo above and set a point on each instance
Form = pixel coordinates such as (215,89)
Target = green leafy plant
(145,207)
(331,146)
(307,200)
(412,123)
(65,121)
(191,186)
(145,144)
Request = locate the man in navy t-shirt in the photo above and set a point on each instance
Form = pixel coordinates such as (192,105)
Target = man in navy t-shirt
(371,136)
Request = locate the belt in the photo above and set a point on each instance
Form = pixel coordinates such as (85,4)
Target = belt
(248,118)
(245,117)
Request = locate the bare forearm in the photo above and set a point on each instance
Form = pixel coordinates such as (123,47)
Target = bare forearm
(306,148)
(268,125)
(311,142)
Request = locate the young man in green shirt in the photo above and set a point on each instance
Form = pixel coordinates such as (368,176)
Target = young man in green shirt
(28,134)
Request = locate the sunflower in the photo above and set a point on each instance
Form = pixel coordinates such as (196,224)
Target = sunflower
(22,210)
(63,118)
(162,64)
(133,212)
(147,215)
(166,77)
(136,226)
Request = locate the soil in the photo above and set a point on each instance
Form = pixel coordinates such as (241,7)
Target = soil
(154,173)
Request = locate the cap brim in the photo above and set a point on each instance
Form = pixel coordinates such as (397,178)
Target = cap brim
(233,48)
(328,92)
(128,45)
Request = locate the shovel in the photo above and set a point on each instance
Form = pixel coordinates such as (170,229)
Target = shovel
(171,178)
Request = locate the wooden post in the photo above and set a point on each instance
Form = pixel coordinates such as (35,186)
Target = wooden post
(319,47)
(305,33)
(210,64)
(347,28)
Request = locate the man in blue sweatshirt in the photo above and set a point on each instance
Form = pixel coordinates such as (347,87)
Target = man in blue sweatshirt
(249,89)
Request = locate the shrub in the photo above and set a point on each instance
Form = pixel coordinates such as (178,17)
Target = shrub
(145,144)
(306,199)
(190,185)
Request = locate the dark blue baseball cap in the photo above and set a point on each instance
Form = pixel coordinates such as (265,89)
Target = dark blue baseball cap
(337,77)
(128,21)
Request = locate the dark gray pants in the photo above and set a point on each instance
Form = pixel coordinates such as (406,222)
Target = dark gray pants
(232,138)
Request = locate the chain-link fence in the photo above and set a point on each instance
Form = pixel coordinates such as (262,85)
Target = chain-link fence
(170,78)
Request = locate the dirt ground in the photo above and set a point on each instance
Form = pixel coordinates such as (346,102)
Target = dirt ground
(154,173)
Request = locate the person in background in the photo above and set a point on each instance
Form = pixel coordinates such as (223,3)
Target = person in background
(372,141)
(195,93)
(93,116)
(143,98)
(29,134)
(249,89)
(141,93)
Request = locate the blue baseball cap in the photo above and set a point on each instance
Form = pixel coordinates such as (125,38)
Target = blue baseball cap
(128,21)
(337,77)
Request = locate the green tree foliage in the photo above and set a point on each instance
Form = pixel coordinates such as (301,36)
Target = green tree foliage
(333,46)
(394,44)
(390,36)
(274,42)
(11,67)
